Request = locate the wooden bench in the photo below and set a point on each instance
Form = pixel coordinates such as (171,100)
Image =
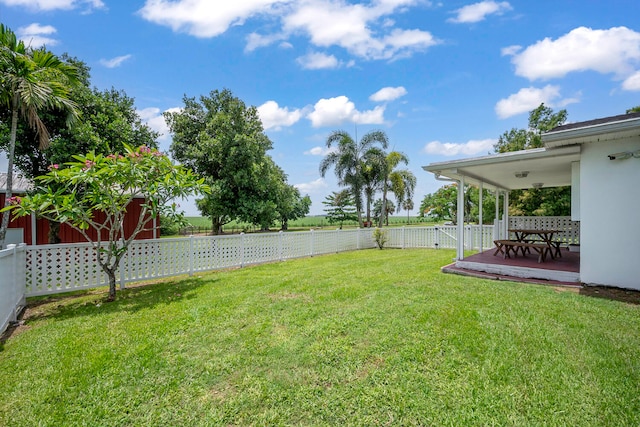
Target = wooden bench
(505,247)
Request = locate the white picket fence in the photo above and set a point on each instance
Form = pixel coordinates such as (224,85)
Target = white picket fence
(12,283)
(50,269)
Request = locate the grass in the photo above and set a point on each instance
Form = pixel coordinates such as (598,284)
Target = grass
(362,338)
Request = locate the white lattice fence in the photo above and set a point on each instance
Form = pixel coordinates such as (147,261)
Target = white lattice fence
(569,231)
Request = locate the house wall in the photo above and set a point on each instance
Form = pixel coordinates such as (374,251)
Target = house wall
(610,218)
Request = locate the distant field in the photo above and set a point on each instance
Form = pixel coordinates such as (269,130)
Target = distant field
(202,224)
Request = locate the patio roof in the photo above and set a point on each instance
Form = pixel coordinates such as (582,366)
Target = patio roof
(549,166)
(514,170)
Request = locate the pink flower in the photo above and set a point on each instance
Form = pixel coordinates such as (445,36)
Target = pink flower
(88,164)
(144,149)
(14,201)
(54,166)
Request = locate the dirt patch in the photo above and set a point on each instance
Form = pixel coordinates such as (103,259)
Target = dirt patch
(615,294)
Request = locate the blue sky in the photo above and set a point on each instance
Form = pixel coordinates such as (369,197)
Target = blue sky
(443,79)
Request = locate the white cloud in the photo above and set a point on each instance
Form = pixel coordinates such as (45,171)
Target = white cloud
(469,148)
(632,82)
(317,61)
(510,50)
(48,5)
(529,98)
(274,117)
(478,11)
(155,120)
(613,51)
(312,187)
(115,62)
(335,111)
(320,151)
(364,30)
(205,18)
(36,35)
(388,94)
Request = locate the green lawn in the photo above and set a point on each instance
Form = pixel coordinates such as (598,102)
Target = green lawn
(363,338)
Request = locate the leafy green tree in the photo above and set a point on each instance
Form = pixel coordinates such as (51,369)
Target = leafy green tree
(31,80)
(633,110)
(441,205)
(541,119)
(348,161)
(94,186)
(340,207)
(546,201)
(378,211)
(107,121)
(221,139)
(373,168)
(292,205)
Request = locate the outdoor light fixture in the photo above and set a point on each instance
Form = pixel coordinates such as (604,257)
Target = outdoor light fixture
(624,155)
(522,174)
(537,185)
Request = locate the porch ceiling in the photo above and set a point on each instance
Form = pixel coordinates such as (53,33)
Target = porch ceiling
(551,167)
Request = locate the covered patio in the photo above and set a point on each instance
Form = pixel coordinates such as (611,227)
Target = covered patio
(501,173)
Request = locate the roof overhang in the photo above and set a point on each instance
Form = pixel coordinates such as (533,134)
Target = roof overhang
(599,132)
(514,170)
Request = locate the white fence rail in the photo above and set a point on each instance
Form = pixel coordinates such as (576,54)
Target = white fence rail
(12,283)
(51,269)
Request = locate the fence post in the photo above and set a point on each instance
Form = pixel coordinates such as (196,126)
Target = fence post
(281,249)
(312,241)
(191,255)
(241,250)
(404,237)
(337,240)
(436,231)
(123,261)
(14,282)
(358,239)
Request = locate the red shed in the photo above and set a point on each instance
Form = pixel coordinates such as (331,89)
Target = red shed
(35,231)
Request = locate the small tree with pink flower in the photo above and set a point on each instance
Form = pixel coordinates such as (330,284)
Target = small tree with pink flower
(95,184)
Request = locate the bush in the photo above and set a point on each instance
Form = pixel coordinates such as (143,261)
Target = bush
(380,236)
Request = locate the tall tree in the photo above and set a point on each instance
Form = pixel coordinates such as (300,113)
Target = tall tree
(546,201)
(391,161)
(348,161)
(31,80)
(107,122)
(373,169)
(221,139)
(403,184)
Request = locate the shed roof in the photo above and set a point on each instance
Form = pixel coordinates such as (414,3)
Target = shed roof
(20,183)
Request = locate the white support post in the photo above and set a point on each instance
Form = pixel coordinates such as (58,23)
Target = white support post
(155,227)
(460,228)
(506,215)
(480,219)
(496,219)
(34,229)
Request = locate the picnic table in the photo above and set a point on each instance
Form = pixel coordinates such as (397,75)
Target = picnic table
(535,236)
(506,247)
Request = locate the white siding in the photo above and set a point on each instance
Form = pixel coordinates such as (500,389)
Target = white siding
(610,215)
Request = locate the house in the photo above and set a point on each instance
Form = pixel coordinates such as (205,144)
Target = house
(35,231)
(600,160)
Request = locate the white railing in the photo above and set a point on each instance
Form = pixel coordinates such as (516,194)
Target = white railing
(50,269)
(12,276)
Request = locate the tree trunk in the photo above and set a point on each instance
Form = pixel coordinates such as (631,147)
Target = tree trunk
(6,215)
(285,225)
(54,233)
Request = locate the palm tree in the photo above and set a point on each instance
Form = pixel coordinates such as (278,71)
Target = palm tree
(392,160)
(403,183)
(373,176)
(31,81)
(348,161)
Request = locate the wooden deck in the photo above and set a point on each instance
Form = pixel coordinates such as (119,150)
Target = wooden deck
(564,270)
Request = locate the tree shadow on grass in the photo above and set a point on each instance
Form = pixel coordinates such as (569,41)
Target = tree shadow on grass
(84,303)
